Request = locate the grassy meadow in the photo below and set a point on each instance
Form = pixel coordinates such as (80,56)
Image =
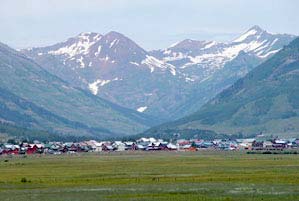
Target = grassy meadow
(203,175)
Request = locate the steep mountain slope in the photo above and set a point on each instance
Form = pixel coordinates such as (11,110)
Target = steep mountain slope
(33,98)
(10,131)
(111,66)
(265,100)
(209,66)
(220,80)
(160,83)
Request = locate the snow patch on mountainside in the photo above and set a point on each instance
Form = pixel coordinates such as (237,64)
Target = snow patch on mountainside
(246,35)
(134,63)
(141,109)
(81,46)
(269,53)
(80,61)
(153,63)
(189,79)
(226,54)
(174,44)
(94,87)
(210,44)
(115,41)
(99,51)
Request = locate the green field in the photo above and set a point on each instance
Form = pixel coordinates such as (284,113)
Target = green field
(203,175)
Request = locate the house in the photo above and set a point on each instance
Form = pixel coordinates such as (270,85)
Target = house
(35,148)
(171,147)
(186,147)
(227,145)
(216,142)
(107,146)
(293,143)
(280,144)
(94,145)
(70,147)
(11,149)
(201,144)
(130,145)
(31,149)
(267,145)
(119,146)
(83,147)
(141,147)
(154,146)
(246,143)
(183,142)
(148,140)
(258,145)
(208,144)
(54,148)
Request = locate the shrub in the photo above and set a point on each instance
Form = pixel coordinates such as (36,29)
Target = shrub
(24,180)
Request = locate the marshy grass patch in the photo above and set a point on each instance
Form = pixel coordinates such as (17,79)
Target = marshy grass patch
(152,176)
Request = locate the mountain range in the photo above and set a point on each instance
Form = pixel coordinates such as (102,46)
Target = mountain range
(167,84)
(265,101)
(33,98)
(100,86)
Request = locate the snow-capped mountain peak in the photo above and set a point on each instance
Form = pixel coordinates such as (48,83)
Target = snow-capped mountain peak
(119,48)
(257,28)
(254,32)
(115,35)
(76,45)
(260,42)
(208,56)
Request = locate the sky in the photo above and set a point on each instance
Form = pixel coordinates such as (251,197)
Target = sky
(153,24)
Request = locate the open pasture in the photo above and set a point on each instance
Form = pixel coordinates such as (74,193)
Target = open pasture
(202,175)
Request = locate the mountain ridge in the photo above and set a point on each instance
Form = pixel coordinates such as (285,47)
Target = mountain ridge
(34,92)
(157,83)
(264,101)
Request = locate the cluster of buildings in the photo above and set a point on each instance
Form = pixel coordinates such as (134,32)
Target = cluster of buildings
(146,144)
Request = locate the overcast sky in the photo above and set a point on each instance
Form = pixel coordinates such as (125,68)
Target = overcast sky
(152,24)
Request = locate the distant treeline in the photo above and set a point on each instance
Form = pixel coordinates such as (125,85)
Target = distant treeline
(15,132)
(186,134)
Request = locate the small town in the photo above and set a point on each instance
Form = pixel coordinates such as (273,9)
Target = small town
(148,144)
